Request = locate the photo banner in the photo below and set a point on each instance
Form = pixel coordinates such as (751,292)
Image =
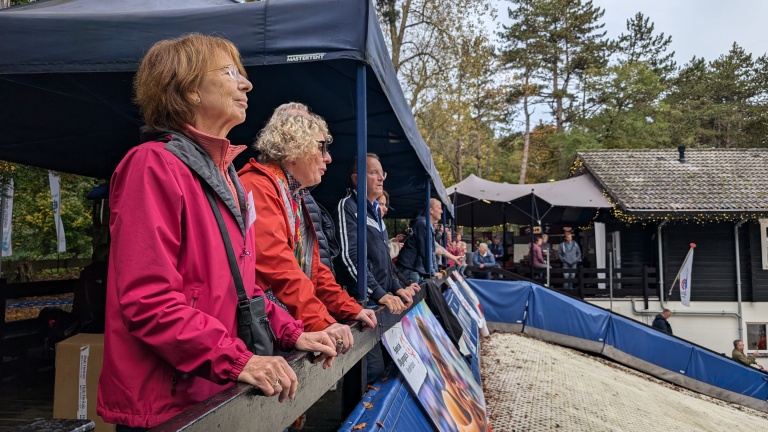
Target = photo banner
(471,297)
(466,316)
(55,180)
(436,373)
(7,219)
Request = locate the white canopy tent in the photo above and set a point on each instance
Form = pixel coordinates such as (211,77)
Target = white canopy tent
(480,202)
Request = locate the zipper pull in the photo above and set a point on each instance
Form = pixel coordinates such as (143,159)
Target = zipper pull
(174,381)
(245,253)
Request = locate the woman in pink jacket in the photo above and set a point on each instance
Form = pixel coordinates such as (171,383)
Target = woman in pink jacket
(171,336)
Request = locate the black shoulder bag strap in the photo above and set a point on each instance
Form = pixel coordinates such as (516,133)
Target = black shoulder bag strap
(252,321)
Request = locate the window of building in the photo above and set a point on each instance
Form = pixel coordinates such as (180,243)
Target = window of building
(755,337)
(764,241)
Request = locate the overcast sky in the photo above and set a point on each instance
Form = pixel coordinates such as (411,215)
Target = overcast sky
(704,28)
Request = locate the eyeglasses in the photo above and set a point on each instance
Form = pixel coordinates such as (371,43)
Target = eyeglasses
(232,71)
(377,173)
(322,145)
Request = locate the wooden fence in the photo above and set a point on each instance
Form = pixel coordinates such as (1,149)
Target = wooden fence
(588,282)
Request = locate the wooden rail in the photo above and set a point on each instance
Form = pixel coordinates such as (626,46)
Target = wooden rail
(627,281)
(240,407)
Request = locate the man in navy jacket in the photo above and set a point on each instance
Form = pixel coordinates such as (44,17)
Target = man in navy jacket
(384,288)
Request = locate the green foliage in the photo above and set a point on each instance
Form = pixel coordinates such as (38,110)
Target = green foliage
(34,231)
(722,103)
(641,45)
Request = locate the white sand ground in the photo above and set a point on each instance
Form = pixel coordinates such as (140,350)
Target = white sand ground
(532,385)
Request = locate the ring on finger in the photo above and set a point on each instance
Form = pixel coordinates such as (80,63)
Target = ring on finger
(277,383)
(340,342)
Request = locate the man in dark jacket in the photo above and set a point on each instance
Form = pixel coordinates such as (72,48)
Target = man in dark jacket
(661,323)
(383,286)
(413,261)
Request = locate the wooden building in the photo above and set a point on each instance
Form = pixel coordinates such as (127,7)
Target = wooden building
(715,198)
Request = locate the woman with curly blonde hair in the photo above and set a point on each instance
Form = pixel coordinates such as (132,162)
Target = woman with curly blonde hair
(293,156)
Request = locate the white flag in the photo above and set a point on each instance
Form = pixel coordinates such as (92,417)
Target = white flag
(685,279)
(55,181)
(7,215)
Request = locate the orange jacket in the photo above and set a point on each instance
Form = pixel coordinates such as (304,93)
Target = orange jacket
(316,300)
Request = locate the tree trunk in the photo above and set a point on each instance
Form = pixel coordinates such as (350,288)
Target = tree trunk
(5,3)
(459,164)
(526,137)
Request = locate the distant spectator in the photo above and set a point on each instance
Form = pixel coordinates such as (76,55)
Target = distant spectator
(570,255)
(497,249)
(462,253)
(661,323)
(738,355)
(452,246)
(393,244)
(484,259)
(545,246)
(537,255)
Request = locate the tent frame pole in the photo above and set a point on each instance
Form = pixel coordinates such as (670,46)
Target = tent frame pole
(430,241)
(362,188)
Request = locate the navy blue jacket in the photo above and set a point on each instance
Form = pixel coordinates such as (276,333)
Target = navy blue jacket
(324,228)
(413,254)
(381,277)
(662,324)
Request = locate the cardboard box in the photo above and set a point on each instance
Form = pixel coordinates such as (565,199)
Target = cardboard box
(78,365)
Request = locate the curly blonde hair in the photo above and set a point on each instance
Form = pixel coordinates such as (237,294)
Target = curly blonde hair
(289,135)
(171,70)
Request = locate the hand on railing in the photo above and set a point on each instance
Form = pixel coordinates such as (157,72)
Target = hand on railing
(271,375)
(341,334)
(368,318)
(318,342)
(393,303)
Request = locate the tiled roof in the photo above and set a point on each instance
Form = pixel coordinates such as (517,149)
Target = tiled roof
(724,180)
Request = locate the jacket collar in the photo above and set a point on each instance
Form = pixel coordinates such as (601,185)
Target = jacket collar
(200,161)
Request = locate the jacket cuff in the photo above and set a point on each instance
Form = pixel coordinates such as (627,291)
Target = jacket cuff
(318,325)
(377,294)
(289,341)
(237,369)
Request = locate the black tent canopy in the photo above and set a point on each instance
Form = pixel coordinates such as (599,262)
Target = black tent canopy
(66,70)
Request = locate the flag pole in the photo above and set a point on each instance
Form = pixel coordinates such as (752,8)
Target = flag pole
(693,246)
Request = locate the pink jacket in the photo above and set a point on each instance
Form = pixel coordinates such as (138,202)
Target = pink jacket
(171,338)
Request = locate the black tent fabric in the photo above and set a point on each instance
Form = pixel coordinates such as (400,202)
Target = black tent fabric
(66,70)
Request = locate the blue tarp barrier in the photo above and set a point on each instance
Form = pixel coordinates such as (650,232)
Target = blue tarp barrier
(393,407)
(721,377)
(558,318)
(647,349)
(503,302)
(566,321)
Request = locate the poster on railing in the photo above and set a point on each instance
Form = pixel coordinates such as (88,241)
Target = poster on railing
(446,388)
(466,316)
(473,300)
